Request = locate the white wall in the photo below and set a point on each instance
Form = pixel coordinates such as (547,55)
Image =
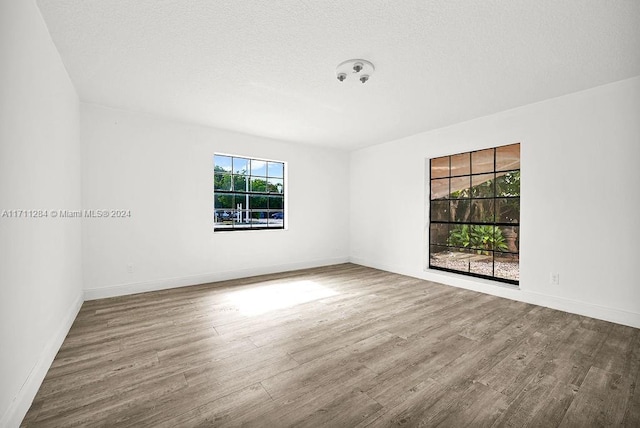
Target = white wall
(580,200)
(40,259)
(162,171)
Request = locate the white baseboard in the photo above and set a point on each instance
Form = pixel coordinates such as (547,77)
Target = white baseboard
(22,401)
(605,313)
(185,281)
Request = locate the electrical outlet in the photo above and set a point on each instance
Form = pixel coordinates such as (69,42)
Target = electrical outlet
(554,278)
(130,268)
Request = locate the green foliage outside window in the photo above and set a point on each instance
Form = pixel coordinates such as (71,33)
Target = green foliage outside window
(481,238)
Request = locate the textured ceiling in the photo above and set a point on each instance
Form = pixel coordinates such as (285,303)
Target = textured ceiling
(268,67)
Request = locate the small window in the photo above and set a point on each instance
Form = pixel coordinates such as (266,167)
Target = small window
(474,213)
(248,193)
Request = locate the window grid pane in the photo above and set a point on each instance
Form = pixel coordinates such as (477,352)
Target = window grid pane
(248,193)
(474,213)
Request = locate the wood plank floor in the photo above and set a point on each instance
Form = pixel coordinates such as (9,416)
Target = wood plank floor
(340,346)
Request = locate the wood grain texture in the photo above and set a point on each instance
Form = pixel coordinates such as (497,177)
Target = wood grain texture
(339,346)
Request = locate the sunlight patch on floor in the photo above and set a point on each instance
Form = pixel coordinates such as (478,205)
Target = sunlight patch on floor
(260,300)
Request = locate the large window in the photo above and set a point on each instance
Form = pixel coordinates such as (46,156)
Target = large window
(474,213)
(248,193)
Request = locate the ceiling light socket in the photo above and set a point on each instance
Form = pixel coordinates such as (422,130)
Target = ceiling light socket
(355,70)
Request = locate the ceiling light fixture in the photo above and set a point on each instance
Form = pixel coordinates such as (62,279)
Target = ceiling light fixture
(355,69)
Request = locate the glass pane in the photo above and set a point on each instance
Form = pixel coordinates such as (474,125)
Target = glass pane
(222,181)
(508,210)
(223,218)
(439,188)
(275,169)
(438,250)
(481,264)
(241,219)
(258,184)
(240,201)
(275,185)
(276,202)
(482,211)
(508,157)
(438,256)
(440,167)
(457,259)
(508,239)
(276,219)
(460,210)
(507,266)
(460,164)
(459,236)
(241,166)
(258,167)
(482,161)
(439,234)
(508,184)
(482,186)
(439,210)
(259,218)
(481,238)
(258,202)
(223,201)
(222,163)
(240,182)
(460,187)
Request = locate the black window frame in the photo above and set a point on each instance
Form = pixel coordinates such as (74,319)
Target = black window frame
(451,223)
(238,188)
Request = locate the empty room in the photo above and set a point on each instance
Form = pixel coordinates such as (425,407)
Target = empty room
(319,213)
